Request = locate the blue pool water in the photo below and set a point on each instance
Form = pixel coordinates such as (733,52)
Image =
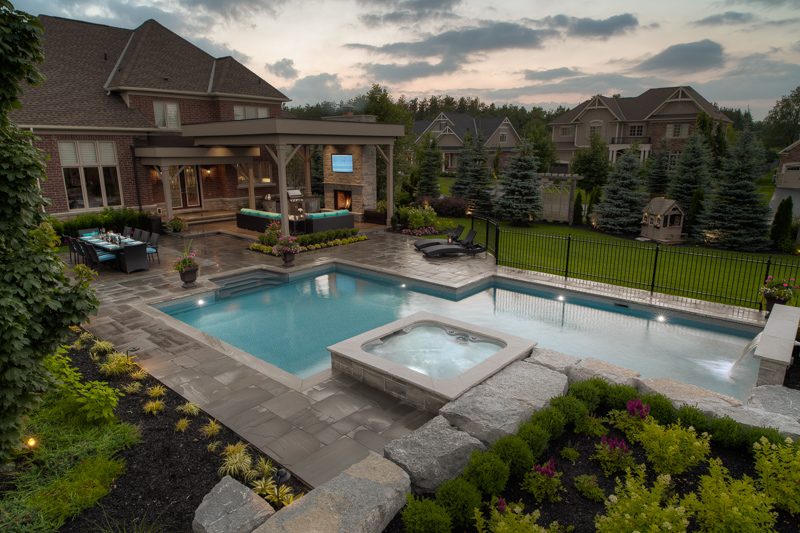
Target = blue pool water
(290,326)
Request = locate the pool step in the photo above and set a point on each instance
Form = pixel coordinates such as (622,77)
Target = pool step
(241,284)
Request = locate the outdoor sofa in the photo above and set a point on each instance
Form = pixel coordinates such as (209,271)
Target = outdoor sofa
(255,220)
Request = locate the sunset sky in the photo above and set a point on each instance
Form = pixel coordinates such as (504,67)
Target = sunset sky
(737,53)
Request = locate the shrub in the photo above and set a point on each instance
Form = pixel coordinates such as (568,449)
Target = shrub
(588,392)
(132,388)
(189,408)
(570,454)
(424,516)
(574,410)
(153,407)
(459,498)
(487,472)
(778,467)
(724,504)
(691,416)
(617,396)
(591,427)
(182,425)
(535,436)
(673,449)
(588,487)
(754,435)
(421,217)
(634,507)
(551,420)
(109,218)
(211,429)
(515,453)
(116,364)
(544,482)
(661,408)
(156,391)
(726,431)
(450,207)
(94,400)
(509,517)
(236,460)
(614,455)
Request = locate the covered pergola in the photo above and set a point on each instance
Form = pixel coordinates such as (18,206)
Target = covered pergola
(283,138)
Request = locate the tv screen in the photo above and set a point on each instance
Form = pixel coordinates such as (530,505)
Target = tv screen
(342,163)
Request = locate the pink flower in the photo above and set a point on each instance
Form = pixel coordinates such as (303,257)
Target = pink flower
(501,504)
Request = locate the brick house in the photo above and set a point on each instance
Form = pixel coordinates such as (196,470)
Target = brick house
(669,112)
(449,130)
(788,175)
(114,99)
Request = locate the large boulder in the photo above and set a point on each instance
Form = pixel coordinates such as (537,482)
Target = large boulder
(591,367)
(560,362)
(530,384)
(231,507)
(362,499)
(682,393)
(752,417)
(433,454)
(776,399)
(486,414)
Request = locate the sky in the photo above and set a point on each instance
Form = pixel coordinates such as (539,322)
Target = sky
(736,53)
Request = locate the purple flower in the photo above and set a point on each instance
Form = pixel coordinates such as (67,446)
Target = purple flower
(501,504)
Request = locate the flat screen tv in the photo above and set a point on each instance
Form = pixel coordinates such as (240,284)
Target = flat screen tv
(342,163)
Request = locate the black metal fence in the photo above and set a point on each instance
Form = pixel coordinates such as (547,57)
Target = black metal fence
(717,276)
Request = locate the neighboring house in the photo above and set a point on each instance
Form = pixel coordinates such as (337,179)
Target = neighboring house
(450,129)
(788,175)
(110,115)
(668,112)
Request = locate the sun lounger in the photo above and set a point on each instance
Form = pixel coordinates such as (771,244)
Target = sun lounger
(453,248)
(426,243)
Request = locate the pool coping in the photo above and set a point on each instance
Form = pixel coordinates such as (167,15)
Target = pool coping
(423,391)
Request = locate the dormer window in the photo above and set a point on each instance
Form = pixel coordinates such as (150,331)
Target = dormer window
(166,114)
(246,112)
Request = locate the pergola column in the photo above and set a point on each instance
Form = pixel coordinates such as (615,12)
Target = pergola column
(251,186)
(307,152)
(163,172)
(390,185)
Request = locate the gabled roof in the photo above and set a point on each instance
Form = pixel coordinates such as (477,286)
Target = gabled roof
(639,108)
(460,124)
(789,148)
(661,206)
(84,61)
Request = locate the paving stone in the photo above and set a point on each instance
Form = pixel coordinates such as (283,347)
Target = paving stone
(329,461)
(591,367)
(531,384)
(231,507)
(287,403)
(362,499)
(486,413)
(293,447)
(553,360)
(433,454)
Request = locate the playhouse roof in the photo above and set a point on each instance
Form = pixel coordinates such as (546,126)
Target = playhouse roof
(662,206)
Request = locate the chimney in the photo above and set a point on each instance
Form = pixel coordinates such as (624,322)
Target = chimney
(347,110)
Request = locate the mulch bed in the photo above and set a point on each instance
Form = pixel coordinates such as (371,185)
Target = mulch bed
(167,474)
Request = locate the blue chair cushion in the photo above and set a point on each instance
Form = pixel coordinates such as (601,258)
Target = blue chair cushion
(313,216)
(105,257)
(151,250)
(249,211)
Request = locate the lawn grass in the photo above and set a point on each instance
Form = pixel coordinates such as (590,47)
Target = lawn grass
(766,186)
(445,184)
(71,467)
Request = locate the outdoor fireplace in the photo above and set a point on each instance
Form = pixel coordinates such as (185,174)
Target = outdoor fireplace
(342,199)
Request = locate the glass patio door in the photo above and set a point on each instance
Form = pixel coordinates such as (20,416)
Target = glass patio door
(185,187)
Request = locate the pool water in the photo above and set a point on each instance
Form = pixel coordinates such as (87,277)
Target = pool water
(290,325)
(431,350)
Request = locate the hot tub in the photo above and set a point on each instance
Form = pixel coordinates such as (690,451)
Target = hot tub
(427,360)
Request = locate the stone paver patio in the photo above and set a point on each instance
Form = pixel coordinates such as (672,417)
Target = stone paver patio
(318,427)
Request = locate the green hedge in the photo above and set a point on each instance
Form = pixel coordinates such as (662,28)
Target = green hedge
(112,219)
(312,238)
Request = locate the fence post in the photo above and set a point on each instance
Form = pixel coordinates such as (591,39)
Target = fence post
(566,267)
(471,221)
(496,242)
(655,266)
(766,275)
(487,232)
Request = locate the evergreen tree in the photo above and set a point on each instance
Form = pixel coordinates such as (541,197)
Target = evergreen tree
(473,175)
(317,172)
(430,166)
(658,174)
(592,163)
(462,185)
(691,172)
(693,226)
(781,231)
(577,210)
(735,217)
(522,195)
(622,202)
(720,148)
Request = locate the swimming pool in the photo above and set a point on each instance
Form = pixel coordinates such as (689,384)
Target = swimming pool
(291,324)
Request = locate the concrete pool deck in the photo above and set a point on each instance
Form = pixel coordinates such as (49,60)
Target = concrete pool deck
(318,431)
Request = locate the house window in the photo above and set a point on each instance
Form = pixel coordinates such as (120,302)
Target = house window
(567,131)
(167,114)
(677,130)
(91,177)
(673,160)
(262,174)
(242,112)
(791,168)
(503,138)
(637,131)
(596,128)
(679,108)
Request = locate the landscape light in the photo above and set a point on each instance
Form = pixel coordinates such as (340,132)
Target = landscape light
(31,442)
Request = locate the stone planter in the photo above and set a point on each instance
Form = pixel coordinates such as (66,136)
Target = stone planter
(188,277)
(288,259)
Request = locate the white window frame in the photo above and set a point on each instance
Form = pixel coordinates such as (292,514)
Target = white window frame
(262,174)
(682,131)
(249,112)
(167,114)
(636,128)
(595,127)
(100,163)
(567,131)
(503,138)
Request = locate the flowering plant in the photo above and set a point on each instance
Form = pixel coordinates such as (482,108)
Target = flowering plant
(177,224)
(185,260)
(421,232)
(781,290)
(613,454)
(544,482)
(286,244)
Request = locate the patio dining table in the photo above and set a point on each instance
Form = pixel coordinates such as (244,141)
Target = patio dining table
(131,255)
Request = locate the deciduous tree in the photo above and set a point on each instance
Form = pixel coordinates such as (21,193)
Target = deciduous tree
(592,163)
(783,121)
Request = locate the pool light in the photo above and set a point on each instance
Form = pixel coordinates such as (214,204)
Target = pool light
(200,302)
(403,285)
(560,298)
(661,318)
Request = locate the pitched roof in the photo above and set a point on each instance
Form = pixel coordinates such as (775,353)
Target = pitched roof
(84,61)
(461,123)
(660,206)
(637,108)
(789,148)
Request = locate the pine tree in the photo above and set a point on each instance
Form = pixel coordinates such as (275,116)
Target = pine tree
(522,195)
(781,231)
(462,185)
(473,175)
(658,174)
(735,217)
(317,172)
(622,202)
(693,225)
(577,210)
(691,172)
(430,166)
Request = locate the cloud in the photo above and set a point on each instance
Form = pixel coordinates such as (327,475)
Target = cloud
(219,49)
(588,27)
(283,68)
(408,11)
(766,3)
(727,18)
(419,69)
(686,58)
(604,83)
(319,88)
(550,75)
(796,46)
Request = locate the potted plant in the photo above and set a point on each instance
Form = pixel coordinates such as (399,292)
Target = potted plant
(778,292)
(287,247)
(186,265)
(177,224)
